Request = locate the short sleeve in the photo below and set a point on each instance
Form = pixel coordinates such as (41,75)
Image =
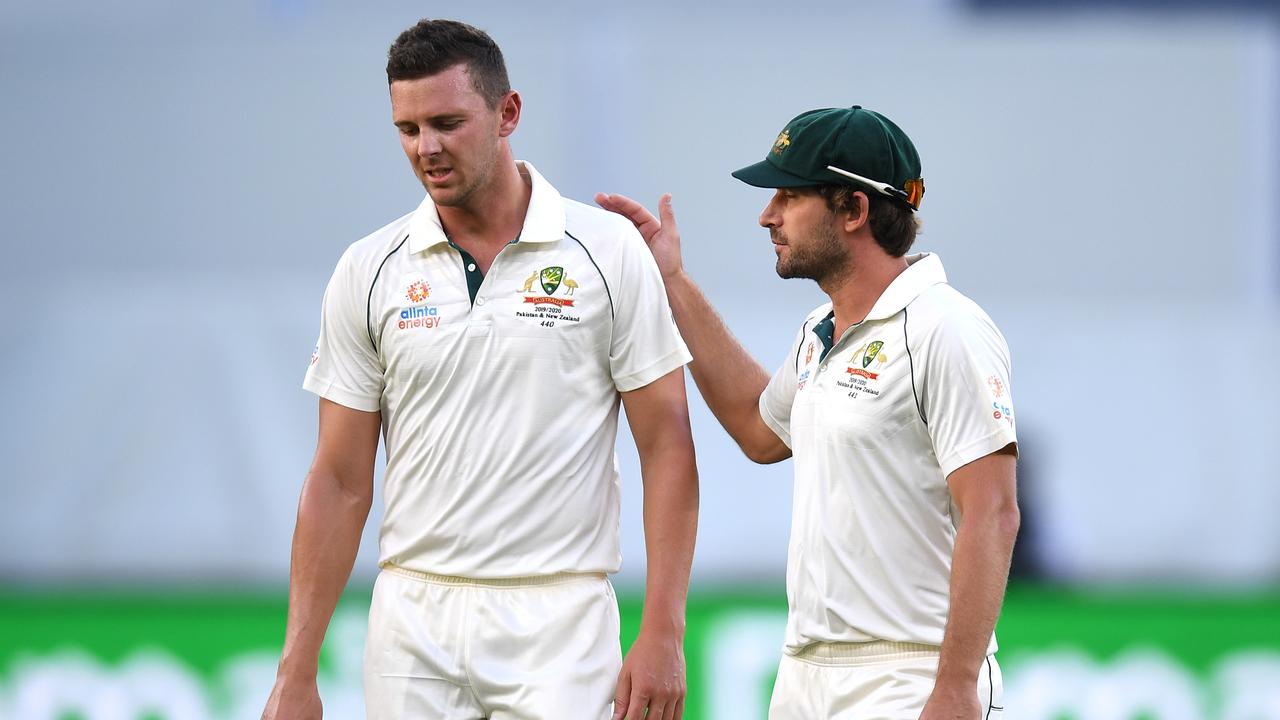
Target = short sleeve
(780,394)
(646,344)
(967,400)
(345,368)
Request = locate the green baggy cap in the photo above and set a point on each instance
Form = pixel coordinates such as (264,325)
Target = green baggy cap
(842,146)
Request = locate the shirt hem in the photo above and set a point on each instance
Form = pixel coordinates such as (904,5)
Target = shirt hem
(633,381)
(327,390)
(976,450)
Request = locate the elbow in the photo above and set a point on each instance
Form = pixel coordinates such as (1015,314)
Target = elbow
(351,490)
(765,455)
(1008,521)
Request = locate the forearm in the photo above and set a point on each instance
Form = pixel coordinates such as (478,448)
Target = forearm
(670,529)
(325,542)
(979,573)
(729,379)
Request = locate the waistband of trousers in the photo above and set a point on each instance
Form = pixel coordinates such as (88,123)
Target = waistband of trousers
(512,582)
(849,653)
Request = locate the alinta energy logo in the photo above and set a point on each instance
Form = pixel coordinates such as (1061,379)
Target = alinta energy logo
(421,316)
(418,291)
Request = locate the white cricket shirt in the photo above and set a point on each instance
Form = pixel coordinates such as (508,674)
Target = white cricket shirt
(916,390)
(499,393)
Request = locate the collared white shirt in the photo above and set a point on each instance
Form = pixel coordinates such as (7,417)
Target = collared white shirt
(499,393)
(876,424)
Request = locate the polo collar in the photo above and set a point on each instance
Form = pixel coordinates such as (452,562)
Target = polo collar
(543,221)
(924,270)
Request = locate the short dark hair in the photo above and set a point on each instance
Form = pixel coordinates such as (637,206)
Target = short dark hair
(433,46)
(893,224)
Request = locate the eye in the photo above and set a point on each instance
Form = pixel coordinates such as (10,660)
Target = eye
(409,130)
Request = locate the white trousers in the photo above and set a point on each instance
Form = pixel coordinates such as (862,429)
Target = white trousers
(869,681)
(442,648)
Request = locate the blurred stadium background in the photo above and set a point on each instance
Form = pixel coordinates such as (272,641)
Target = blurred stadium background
(180,178)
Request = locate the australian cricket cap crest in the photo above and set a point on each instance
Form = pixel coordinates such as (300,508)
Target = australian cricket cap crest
(842,146)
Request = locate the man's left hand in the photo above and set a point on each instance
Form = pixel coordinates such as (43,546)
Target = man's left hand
(652,679)
(953,704)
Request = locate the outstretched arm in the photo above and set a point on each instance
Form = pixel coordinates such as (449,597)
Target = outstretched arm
(730,380)
(653,675)
(335,504)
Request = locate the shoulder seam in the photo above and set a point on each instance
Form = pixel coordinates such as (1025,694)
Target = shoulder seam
(612,311)
(906,342)
(368,306)
(804,328)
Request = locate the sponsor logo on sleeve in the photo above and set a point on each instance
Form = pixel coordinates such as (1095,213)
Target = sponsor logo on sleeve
(1000,411)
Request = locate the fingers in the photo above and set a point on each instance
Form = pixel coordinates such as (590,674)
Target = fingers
(621,694)
(666,214)
(637,705)
(626,207)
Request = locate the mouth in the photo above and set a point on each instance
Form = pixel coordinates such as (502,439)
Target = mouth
(437,175)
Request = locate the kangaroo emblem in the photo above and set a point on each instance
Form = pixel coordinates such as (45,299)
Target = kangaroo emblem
(528,283)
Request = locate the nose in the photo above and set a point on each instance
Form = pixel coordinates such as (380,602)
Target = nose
(428,144)
(769,217)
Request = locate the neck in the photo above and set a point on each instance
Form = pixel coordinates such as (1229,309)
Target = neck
(494,214)
(855,292)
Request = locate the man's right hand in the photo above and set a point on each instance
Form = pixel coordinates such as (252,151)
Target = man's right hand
(661,234)
(293,700)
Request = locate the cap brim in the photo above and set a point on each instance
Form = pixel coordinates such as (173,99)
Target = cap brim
(765,174)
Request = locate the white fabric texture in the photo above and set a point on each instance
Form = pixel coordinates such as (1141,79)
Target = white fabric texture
(464,652)
(914,391)
(500,417)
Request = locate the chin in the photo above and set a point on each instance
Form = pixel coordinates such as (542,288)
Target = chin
(445,197)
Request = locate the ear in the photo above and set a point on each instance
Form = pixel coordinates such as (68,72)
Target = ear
(508,114)
(859,215)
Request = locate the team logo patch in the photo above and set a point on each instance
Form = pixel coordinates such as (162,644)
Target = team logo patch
(997,387)
(549,306)
(872,353)
(783,142)
(418,291)
(550,278)
(808,355)
(861,371)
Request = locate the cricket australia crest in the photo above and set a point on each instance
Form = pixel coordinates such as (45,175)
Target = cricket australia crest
(549,305)
(872,351)
(550,278)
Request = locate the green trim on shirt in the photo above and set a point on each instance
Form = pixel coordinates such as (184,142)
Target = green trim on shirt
(826,331)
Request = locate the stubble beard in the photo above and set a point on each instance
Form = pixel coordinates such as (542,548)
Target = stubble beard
(476,178)
(821,259)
